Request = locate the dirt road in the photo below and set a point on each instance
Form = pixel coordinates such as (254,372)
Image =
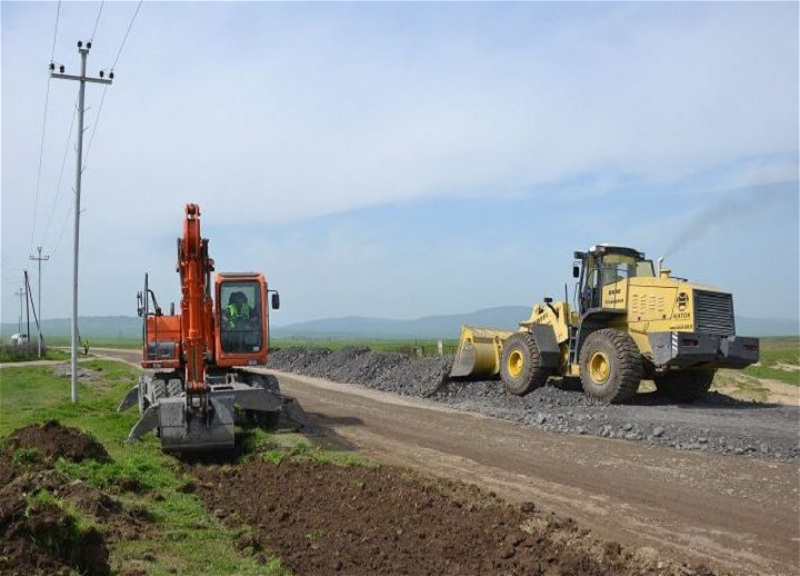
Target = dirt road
(734,513)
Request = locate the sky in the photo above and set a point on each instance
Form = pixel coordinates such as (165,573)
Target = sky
(402,159)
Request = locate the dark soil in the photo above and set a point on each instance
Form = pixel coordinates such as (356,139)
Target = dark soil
(52,440)
(324,519)
(44,538)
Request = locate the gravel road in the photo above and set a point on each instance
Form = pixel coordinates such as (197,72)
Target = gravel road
(718,424)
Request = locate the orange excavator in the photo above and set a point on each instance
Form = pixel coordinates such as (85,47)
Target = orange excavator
(199,380)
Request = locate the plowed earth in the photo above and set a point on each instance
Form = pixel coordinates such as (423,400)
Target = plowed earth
(38,539)
(325,519)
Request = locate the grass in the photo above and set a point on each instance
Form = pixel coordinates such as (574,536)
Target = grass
(28,353)
(187,539)
(409,346)
(780,360)
(128,343)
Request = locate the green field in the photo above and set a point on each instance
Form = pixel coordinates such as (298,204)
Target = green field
(182,525)
(404,346)
(780,360)
(99,342)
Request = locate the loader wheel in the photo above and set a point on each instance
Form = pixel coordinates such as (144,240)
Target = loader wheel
(684,385)
(263,419)
(520,369)
(611,366)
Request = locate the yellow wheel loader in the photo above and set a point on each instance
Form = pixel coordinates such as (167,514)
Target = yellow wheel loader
(626,323)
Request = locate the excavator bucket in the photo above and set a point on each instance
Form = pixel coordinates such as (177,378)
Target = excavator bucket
(184,429)
(478,353)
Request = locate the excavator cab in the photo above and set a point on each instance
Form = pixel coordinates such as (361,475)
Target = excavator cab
(242,313)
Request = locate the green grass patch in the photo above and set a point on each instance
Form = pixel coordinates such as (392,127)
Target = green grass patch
(97,342)
(410,347)
(30,353)
(298,450)
(780,360)
(185,538)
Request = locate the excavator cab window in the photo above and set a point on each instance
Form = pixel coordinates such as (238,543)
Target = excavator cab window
(240,311)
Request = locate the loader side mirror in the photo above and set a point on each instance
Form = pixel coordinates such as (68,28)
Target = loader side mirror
(276,301)
(172,308)
(576,271)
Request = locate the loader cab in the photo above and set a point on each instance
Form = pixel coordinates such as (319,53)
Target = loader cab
(603,265)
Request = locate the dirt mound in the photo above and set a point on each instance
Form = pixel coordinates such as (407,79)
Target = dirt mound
(326,519)
(52,440)
(50,523)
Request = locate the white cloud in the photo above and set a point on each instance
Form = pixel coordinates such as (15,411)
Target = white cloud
(270,114)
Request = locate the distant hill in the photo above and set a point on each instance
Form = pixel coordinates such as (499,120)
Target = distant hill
(98,327)
(767,326)
(449,326)
(443,326)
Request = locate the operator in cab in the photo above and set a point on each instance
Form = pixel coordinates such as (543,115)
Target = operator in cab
(239,313)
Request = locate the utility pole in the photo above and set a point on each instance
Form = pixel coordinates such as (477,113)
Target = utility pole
(30,300)
(19,293)
(27,310)
(83,79)
(40,259)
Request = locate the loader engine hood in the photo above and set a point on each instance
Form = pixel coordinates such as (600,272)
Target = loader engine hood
(672,304)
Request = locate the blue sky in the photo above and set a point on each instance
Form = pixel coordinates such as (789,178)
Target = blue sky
(407,159)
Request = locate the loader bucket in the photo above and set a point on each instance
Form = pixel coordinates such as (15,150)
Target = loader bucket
(478,354)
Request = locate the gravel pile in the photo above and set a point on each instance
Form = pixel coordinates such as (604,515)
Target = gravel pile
(388,371)
(717,423)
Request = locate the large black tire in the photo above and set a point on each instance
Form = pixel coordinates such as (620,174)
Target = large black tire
(263,419)
(611,366)
(520,368)
(158,390)
(174,386)
(684,385)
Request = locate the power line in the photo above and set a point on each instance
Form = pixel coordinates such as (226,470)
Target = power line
(55,32)
(105,88)
(44,128)
(63,229)
(97,21)
(61,173)
(119,53)
(94,126)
